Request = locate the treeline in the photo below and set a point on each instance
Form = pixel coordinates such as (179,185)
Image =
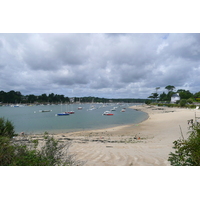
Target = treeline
(166,96)
(15,97)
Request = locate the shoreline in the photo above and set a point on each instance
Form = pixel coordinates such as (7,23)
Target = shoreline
(147,143)
(109,129)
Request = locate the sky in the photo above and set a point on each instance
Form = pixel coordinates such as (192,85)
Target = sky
(105,65)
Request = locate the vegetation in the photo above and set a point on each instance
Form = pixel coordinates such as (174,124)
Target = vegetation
(6,128)
(16,97)
(165,98)
(187,151)
(50,153)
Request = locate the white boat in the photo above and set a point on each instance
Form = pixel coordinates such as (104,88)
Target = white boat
(108,113)
(45,110)
(113,109)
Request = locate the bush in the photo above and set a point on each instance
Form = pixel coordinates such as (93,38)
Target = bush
(187,152)
(148,102)
(6,128)
(183,102)
(50,153)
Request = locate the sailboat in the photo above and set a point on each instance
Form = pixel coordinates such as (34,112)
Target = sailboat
(62,113)
(71,112)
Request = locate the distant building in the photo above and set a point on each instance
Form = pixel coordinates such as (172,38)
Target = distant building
(175,97)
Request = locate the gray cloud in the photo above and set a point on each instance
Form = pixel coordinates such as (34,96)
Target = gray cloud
(105,65)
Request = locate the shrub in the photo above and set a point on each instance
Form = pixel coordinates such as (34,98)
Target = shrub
(148,102)
(6,128)
(187,151)
(183,102)
(51,153)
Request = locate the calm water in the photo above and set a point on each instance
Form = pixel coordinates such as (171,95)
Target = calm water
(29,120)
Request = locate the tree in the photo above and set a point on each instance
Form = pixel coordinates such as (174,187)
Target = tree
(153,96)
(32,98)
(163,97)
(184,94)
(170,88)
(187,151)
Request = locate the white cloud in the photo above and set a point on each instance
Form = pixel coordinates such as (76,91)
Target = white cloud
(161,47)
(105,65)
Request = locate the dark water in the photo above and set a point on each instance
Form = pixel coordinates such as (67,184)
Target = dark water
(29,120)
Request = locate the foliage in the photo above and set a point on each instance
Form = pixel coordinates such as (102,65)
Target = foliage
(170,88)
(187,151)
(190,100)
(6,128)
(50,153)
(17,97)
(184,94)
(148,102)
(183,102)
(197,95)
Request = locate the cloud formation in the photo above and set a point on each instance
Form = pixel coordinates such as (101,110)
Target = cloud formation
(103,65)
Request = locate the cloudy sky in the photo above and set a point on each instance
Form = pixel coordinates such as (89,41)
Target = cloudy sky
(102,65)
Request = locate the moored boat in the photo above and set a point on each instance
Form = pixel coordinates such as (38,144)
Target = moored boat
(62,114)
(108,113)
(70,112)
(45,110)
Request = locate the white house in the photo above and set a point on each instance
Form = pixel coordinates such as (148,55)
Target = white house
(175,97)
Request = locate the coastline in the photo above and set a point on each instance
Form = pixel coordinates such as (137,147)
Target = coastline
(147,143)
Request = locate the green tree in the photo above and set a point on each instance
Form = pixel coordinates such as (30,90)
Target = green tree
(187,151)
(184,94)
(163,97)
(170,88)
(32,98)
(153,96)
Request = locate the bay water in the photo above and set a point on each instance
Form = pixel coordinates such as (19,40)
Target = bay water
(30,120)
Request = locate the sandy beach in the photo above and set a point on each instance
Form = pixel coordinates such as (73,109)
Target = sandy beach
(145,144)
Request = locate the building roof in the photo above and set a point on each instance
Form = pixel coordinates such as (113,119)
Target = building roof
(175,95)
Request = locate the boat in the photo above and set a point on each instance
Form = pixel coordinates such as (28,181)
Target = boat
(108,113)
(91,108)
(45,110)
(80,108)
(62,114)
(113,109)
(70,112)
(123,110)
